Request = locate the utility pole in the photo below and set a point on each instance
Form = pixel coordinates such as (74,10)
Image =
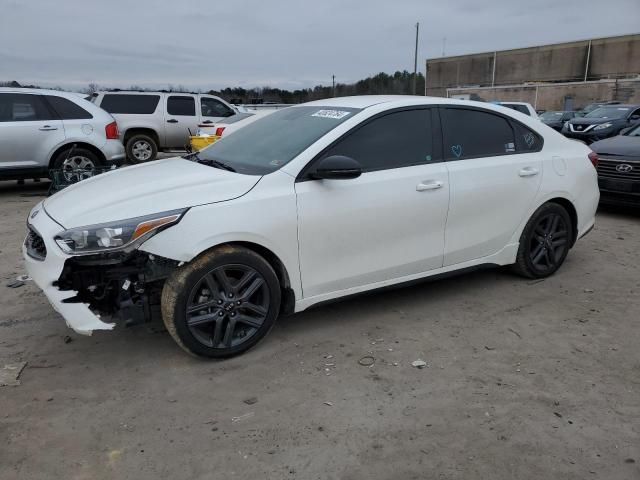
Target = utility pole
(415,61)
(333,80)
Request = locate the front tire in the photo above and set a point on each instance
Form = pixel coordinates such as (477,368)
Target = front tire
(222,303)
(545,242)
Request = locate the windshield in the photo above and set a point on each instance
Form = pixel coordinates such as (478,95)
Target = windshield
(273,141)
(551,116)
(608,112)
(634,132)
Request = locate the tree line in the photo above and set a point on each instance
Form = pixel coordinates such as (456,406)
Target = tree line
(399,83)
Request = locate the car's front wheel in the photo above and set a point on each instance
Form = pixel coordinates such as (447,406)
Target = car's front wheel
(222,303)
(545,242)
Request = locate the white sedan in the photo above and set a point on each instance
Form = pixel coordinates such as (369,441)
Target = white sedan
(311,203)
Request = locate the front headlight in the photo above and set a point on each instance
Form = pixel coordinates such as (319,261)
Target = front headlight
(603,126)
(123,235)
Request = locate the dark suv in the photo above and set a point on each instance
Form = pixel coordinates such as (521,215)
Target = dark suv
(601,123)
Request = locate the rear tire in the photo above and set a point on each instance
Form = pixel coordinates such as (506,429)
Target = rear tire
(222,303)
(76,163)
(545,242)
(141,148)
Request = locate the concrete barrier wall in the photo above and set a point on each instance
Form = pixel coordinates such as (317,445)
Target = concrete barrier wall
(613,57)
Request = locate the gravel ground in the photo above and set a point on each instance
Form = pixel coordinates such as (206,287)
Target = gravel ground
(524,380)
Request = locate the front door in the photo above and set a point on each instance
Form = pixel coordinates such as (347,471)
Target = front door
(29,133)
(494,173)
(213,110)
(181,120)
(386,224)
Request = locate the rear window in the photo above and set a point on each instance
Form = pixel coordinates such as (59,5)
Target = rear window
(66,109)
(131,104)
(471,133)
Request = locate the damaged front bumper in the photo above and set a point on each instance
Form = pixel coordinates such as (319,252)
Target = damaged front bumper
(93,292)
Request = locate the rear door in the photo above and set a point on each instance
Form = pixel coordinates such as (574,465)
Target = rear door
(181,119)
(386,224)
(29,131)
(213,110)
(495,172)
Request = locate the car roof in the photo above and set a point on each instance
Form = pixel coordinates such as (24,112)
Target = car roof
(44,91)
(366,101)
(621,105)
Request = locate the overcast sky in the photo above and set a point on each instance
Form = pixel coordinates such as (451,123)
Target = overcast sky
(280,43)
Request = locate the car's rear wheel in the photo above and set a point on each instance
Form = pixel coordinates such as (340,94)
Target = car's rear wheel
(545,242)
(76,163)
(141,148)
(222,303)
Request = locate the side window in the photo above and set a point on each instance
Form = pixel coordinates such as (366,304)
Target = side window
(181,105)
(474,133)
(23,107)
(66,109)
(526,140)
(214,108)
(130,104)
(396,140)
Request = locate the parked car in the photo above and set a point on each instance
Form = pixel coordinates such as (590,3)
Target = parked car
(48,129)
(311,203)
(556,119)
(522,107)
(619,167)
(159,121)
(592,106)
(601,123)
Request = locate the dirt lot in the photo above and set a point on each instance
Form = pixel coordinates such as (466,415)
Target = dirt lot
(525,380)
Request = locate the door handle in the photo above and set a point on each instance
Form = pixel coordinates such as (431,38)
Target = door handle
(207,121)
(528,172)
(429,185)
(172,120)
(47,128)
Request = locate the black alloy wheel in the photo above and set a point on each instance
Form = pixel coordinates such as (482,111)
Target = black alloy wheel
(227,306)
(545,242)
(222,302)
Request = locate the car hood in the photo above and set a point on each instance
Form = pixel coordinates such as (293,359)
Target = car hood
(620,146)
(592,121)
(143,190)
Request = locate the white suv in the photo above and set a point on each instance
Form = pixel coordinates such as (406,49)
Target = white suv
(42,130)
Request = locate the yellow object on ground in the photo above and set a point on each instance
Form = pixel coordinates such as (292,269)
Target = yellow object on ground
(199,142)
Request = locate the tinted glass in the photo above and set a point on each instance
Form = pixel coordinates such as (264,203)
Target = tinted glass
(181,105)
(22,107)
(214,108)
(518,108)
(132,104)
(552,116)
(609,112)
(526,139)
(66,109)
(396,140)
(274,140)
(474,133)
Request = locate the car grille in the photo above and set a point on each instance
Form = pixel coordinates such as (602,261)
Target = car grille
(619,169)
(35,245)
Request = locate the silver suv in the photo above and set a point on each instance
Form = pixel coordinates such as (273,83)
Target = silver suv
(47,129)
(160,121)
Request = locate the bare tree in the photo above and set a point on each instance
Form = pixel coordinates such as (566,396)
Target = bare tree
(91,88)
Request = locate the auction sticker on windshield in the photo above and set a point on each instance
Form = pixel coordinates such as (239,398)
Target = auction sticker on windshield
(336,114)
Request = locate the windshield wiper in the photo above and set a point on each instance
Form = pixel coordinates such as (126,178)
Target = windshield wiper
(210,163)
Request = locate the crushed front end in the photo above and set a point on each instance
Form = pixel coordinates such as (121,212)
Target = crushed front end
(94,291)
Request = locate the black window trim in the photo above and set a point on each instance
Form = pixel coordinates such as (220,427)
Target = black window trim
(510,121)
(436,141)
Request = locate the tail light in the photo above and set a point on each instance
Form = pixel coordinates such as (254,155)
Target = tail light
(219,131)
(112,131)
(593,157)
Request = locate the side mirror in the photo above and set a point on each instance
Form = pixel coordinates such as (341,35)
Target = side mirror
(624,131)
(634,118)
(336,167)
